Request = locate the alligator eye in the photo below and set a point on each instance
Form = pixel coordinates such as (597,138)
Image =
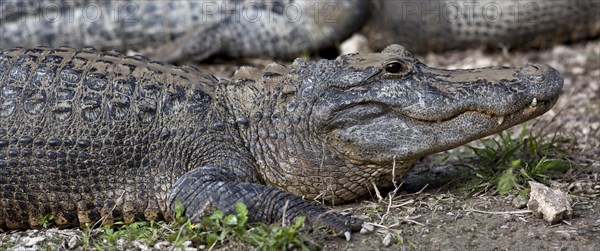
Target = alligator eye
(394,67)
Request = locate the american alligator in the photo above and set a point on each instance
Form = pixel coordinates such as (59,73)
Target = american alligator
(439,25)
(90,136)
(172,30)
(194,29)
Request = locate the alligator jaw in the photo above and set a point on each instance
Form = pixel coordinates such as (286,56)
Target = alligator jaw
(428,137)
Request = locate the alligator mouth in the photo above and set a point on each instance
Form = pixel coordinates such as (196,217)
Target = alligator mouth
(364,113)
(389,133)
(534,105)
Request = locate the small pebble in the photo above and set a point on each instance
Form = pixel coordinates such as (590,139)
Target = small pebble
(388,240)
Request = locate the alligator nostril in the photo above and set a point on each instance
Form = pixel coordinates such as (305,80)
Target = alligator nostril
(530,69)
(533,72)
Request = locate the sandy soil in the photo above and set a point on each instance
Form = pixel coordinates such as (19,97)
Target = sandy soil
(444,219)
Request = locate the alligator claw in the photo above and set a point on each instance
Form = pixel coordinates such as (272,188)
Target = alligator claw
(367,228)
(348,235)
(340,225)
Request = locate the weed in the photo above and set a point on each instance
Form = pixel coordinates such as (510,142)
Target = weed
(217,229)
(86,237)
(46,221)
(508,162)
(278,238)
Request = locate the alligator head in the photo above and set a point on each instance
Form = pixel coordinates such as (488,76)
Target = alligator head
(390,105)
(333,128)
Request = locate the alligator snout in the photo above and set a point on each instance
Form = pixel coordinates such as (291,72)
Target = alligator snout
(544,81)
(438,95)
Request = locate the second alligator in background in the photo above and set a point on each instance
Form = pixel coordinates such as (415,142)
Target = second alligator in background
(195,30)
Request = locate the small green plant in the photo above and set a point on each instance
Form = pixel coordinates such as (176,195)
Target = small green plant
(217,229)
(111,236)
(46,221)
(223,227)
(508,162)
(86,237)
(6,245)
(279,238)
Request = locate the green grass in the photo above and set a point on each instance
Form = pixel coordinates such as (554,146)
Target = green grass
(506,162)
(215,231)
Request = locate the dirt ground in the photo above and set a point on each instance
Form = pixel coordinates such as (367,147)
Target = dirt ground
(446,218)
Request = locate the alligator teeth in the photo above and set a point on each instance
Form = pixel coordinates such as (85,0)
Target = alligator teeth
(534,102)
(500,120)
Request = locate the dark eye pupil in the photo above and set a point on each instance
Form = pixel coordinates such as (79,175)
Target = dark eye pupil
(393,67)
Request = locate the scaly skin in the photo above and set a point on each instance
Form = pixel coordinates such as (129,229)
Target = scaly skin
(98,137)
(198,29)
(449,24)
(184,29)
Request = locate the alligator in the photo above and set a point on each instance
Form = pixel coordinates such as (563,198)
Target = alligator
(196,30)
(96,137)
(442,25)
(173,30)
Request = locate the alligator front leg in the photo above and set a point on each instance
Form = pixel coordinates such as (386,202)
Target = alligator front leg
(207,188)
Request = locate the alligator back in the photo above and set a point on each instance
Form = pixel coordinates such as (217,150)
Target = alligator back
(118,25)
(86,136)
(423,26)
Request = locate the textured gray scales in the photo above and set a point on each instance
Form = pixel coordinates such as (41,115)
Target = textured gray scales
(91,136)
(196,29)
(439,25)
(183,29)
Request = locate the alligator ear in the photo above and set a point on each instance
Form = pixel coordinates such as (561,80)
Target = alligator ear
(276,68)
(347,79)
(243,86)
(272,77)
(273,73)
(246,74)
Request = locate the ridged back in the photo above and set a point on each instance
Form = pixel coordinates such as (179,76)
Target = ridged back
(83,133)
